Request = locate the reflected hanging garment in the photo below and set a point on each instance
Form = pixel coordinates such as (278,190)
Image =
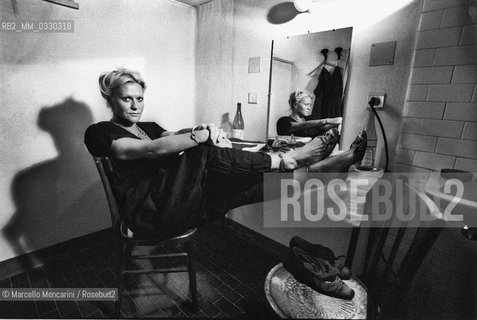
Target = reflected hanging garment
(328,95)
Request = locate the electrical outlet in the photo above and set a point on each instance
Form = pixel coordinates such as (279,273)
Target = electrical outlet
(380,105)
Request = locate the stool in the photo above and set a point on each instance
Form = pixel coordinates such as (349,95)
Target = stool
(292,299)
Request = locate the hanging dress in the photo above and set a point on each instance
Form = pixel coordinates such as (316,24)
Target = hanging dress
(328,95)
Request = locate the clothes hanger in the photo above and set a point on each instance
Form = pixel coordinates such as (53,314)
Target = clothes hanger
(325,62)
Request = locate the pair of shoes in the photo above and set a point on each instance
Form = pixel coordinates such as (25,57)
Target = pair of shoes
(359,146)
(324,253)
(316,273)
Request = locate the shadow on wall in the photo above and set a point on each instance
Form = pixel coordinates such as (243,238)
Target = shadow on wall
(58,199)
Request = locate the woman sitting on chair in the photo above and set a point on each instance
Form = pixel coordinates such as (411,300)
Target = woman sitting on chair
(301,106)
(162,191)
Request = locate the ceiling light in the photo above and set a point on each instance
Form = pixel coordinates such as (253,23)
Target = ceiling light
(302,5)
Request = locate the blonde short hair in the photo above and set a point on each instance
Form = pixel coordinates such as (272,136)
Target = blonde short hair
(109,81)
(297,96)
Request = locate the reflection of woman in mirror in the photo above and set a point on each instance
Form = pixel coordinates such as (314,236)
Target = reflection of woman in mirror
(301,104)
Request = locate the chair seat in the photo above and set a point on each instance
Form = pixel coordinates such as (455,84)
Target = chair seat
(292,299)
(128,234)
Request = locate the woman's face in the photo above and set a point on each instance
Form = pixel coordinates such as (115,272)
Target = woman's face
(127,103)
(304,107)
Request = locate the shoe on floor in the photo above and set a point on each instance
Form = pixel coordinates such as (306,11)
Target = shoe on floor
(316,273)
(322,252)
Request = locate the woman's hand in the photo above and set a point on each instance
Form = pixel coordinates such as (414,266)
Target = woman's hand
(336,121)
(217,137)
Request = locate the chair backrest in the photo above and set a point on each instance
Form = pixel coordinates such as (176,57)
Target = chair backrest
(106,171)
(391,261)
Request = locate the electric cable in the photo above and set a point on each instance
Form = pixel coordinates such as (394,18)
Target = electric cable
(372,103)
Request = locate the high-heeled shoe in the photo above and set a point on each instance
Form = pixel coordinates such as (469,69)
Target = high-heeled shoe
(322,252)
(330,138)
(359,146)
(316,273)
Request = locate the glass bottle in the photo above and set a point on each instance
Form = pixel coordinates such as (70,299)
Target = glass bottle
(238,125)
(370,154)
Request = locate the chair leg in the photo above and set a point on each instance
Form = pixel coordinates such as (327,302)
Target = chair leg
(119,276)
(124,250)
(117,306)
(192,275)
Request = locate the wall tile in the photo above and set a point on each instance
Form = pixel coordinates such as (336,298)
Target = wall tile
(433,161)
(417,142)
(411,125)
(431,75)
(465,74)
(470,131)
(450,93)
(456,16)
(430,110)
(430,5)
(417,92)
(474,96)
(442,128)
(469,35)
(466,164)
(455,147)
(461,111)
(456,55)
(424,57)
(438,38)
(431,20)
(404,156)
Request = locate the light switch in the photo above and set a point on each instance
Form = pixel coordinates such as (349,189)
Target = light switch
(252,98)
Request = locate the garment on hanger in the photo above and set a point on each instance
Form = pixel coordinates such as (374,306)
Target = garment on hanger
(328,95)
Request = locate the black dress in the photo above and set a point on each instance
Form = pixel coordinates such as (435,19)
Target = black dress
(163,197)
(328,95)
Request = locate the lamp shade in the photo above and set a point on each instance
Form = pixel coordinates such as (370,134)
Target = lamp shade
(302,5)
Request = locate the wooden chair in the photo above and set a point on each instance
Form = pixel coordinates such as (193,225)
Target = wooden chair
(386,275)
(128,242)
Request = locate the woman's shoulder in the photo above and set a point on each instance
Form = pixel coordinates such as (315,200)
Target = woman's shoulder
(286,119)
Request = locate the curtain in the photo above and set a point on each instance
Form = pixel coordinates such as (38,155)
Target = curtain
(214,60)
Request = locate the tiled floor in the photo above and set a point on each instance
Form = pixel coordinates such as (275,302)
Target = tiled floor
(230,279)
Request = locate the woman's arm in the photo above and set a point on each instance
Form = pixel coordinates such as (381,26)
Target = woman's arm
(323,124)
(170,133)
(129,148)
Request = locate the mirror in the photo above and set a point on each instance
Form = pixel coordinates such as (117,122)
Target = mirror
(315,62)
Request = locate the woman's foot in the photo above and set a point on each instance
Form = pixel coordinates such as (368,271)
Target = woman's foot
(342,161)
(316,150)
(311,152)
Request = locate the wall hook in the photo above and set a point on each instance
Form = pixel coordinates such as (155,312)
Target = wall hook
(338,51)
(324,52)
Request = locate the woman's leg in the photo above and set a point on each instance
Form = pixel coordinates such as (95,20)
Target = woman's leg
(235,162)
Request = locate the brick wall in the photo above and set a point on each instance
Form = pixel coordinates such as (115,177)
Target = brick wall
(440,116)
(439,130)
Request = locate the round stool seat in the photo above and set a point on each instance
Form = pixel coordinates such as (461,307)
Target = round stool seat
(292,299)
